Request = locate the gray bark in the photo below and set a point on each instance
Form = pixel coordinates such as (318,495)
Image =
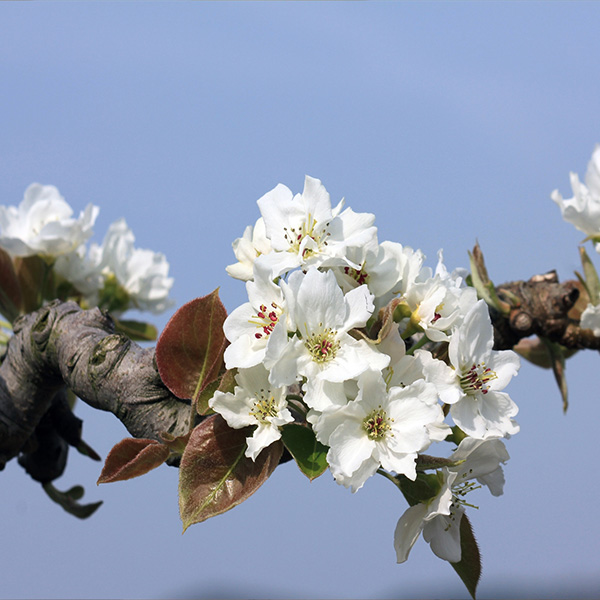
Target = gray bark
(62,346)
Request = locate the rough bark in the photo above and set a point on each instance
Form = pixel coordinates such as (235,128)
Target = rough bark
(61,346)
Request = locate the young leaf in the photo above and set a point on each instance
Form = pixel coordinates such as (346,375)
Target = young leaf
(469,567)
(189,352)
(481,282)
(592,283)
(309,454)
(131,458)
(214,474)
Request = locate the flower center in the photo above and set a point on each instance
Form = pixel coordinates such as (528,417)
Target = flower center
(360,275)
(266,319)
(323,345)
(264,407)
(295,235)
(477,378)
(377,424)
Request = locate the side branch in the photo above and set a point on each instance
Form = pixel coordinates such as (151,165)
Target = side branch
(544,307)
(62,345)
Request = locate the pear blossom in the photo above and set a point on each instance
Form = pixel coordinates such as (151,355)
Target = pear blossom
(583,209)
(388,270)
(439,304)
(322,350)
(439,517)
(254,402)
(472,384)
(133,277)
(590,319)
(251,245)
(305,231)
(43,224)
(380,428)
(250,326)
(81,271)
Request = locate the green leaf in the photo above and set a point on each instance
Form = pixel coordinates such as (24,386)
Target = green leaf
(592,283)
(68,500)
(469,567)
(422,489)
(189,352)
(137,331)
(11,301)
(205,395)
(215,475)
(310,455)
(131,458)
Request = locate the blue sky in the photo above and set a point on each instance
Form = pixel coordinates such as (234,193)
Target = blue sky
(452,122)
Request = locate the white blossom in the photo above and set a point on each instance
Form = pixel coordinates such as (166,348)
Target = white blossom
(439,304)
(583,209)
(141,274)
(380,427)
(43,224)
(590,319)
(439,517)
(322,349)
(247,249)
(250,327)
(305,231)
(472,384)
(254,402)
(388,270)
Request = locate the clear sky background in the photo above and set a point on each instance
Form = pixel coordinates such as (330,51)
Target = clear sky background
(452,122)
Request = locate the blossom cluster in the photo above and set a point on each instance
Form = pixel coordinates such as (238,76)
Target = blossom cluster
(378,354)
(115,276)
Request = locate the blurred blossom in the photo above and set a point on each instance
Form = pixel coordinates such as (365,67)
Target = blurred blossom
(43,224)
(583,209)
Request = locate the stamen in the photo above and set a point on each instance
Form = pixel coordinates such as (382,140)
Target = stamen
(264,407)
(377,424)
(266,321)
(477,378)
(323,345)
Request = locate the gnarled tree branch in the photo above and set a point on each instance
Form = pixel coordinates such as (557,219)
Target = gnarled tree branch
(62,345)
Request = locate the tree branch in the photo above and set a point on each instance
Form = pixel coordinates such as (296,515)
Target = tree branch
(62,345)
(544,307)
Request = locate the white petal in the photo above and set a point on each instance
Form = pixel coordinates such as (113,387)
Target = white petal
(408,529)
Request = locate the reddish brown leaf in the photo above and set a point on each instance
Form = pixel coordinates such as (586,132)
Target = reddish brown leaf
(189,352)
(214,474)
(35,279)
(11,301)
(131,458)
